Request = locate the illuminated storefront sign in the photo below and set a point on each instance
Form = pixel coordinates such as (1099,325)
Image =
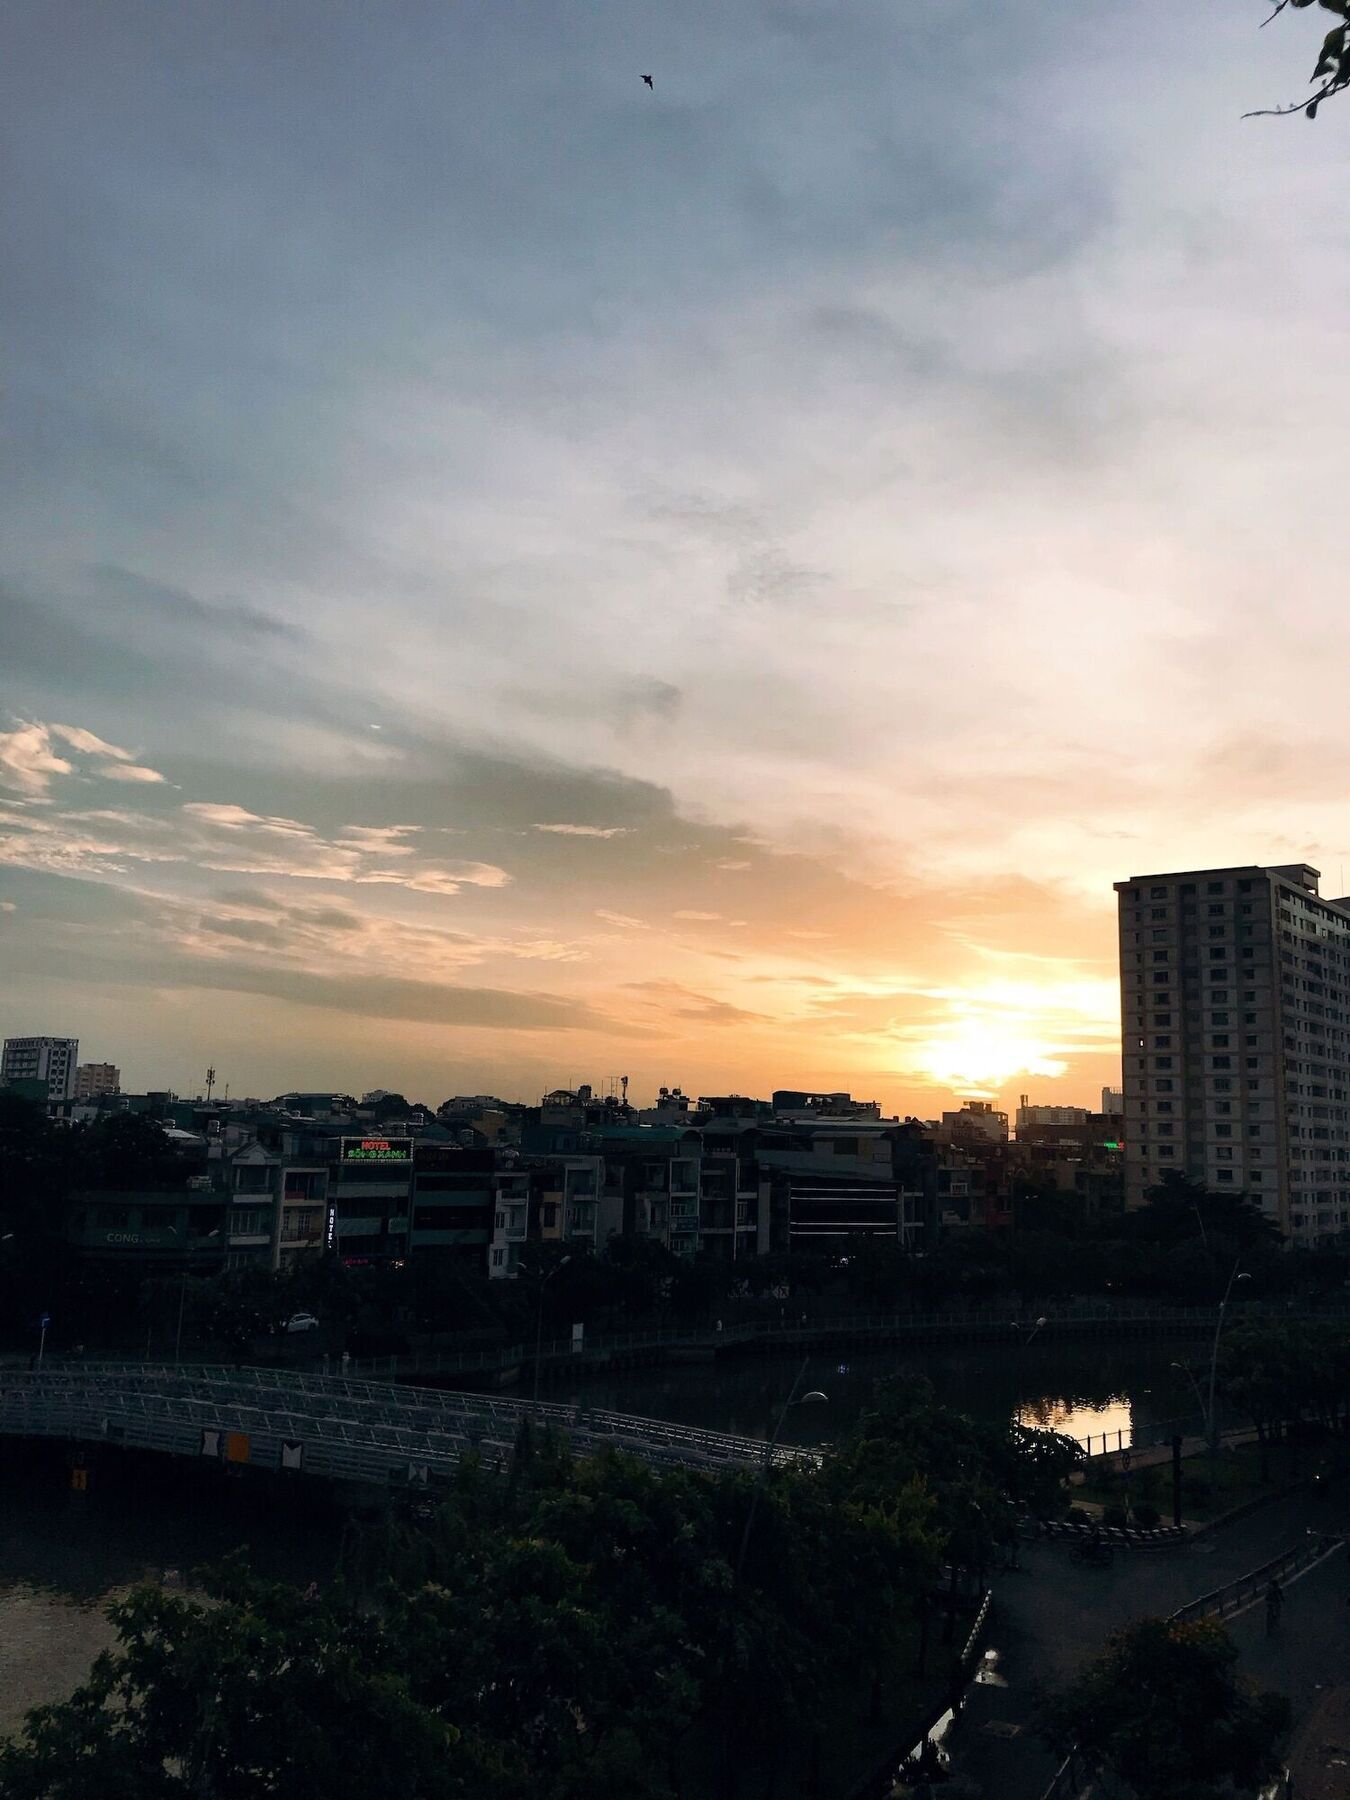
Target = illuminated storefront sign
(377,1150)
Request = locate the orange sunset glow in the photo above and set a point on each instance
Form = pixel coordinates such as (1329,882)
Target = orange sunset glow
(535,582)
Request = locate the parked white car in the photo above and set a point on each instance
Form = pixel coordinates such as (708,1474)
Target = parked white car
(302,1322)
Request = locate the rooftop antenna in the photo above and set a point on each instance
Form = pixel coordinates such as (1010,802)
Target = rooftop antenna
(210,1083)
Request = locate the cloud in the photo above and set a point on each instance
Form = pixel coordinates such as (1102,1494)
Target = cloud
(624,919)
(593,831)
(690,913)
(131,772)
(79,739)
(228,837)
(27,761)
(672,1000)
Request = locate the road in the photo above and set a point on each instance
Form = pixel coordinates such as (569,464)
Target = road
(1055,1614)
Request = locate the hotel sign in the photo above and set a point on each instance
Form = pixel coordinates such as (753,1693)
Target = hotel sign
(377,1149)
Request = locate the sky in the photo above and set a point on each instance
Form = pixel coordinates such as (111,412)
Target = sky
(511,577)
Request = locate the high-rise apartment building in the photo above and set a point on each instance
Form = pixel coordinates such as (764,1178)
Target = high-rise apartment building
(46,1059)
(93,1080)
(1235,1013)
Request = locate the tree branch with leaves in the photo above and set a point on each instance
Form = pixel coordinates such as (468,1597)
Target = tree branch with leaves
(1332,69)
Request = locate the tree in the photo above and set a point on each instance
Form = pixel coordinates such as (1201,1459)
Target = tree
(1332,69)
(254,1692)
(1162,1708)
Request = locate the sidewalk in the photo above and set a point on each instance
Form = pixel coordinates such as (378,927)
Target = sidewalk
(1307,1657)
(1320,1759)
(1055,1615)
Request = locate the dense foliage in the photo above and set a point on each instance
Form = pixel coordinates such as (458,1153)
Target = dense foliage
(565,1628)
(1164,1710)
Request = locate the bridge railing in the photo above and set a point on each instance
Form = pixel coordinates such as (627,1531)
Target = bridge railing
(170,1407)
(803,1330)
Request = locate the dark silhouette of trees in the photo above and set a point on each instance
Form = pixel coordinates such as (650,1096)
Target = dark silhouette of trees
(1162,1708)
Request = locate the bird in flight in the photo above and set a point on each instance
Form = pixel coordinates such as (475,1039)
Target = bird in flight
(650,83)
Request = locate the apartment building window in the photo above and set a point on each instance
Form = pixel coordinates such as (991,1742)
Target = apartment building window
(1224,1174)
(1220,1040)
(1158,912)
(1223,1085)
(1162,1021)
(1157,893)
(1220,1062)
(1160,955)
(1218,1018)
(1162,1043)
(1165,1085)
(1223,1130)
(549,1212)
(1162,1062)
(1213,910)
(1165,1128)
(1187,887)
(1162,1106)
(1161,977)
(498,1258)
(1213,887)
(1224,1106)
(1250,1040)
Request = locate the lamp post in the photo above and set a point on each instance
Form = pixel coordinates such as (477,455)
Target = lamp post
(539,1327)
(1024,1337)
(813,1398)
(1238,1275)
(182,1290)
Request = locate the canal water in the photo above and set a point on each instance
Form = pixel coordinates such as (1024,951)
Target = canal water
(64,1556)
(1084,1389)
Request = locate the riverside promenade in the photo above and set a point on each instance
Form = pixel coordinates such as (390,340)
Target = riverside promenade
(1054,1615)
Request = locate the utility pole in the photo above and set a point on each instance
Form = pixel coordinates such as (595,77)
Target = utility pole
(210,1083)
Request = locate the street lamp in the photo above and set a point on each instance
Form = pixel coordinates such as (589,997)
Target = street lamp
(1024,1337)
(539,1326)
(1238,1275)
(815,1397)
(182,1290)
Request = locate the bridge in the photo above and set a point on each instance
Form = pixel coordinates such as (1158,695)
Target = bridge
(336,1427)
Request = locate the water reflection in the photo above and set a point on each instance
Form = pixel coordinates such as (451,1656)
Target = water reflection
(65,1556)
(1079,1388)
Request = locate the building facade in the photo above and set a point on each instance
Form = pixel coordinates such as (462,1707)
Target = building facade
(95,1081)
(48,1059)
(1235,1009)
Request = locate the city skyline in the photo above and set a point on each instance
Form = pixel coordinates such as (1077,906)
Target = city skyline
(516,577)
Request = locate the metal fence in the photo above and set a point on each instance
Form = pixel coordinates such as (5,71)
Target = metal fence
(1234,1596)
(1072,1779)
(339,1427)
(804,1330)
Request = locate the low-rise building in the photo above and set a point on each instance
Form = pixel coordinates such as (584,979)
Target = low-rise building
(95,1081)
